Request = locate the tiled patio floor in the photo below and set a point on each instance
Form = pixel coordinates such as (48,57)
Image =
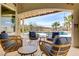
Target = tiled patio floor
(72,52)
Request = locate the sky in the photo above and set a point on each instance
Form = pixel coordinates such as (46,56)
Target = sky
(48,20)
(6,21)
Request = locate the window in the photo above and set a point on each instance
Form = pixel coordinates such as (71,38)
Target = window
(8,24)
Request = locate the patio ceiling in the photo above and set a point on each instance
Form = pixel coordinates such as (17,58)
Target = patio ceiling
(7,11)
(24,7)
(38,12)
(28,10)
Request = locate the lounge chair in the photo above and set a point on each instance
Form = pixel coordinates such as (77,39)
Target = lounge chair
(12,44)
(54,50)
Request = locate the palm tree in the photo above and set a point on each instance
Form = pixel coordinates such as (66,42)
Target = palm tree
(55,25)
(68,21)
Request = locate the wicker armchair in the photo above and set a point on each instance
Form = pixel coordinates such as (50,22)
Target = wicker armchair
(60,50)
(12,44)
(53,50)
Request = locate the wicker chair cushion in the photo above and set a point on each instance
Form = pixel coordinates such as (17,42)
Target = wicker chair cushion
(9,44)
(32,36)
(61,41)
(48,50)
(50,39)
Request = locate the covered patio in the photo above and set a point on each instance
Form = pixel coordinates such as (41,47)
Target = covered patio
(20,11)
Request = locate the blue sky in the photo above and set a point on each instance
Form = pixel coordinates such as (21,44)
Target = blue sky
(6,21)
(47,20)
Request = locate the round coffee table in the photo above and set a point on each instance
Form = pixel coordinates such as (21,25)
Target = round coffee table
(27,50)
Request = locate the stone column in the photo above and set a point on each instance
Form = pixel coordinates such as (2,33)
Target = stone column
(75,28)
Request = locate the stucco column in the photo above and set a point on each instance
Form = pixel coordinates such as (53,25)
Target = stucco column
(23,26)
(75,28)
(0,16)
(17,28)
